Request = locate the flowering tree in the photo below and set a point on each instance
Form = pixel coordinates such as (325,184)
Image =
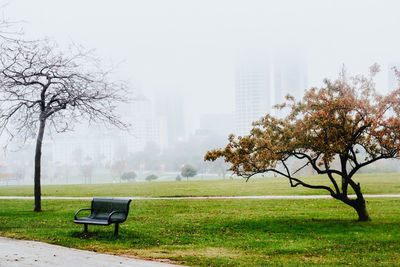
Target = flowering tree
(345,121)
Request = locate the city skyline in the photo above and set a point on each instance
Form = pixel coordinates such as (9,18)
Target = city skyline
(194,48)
(183,57)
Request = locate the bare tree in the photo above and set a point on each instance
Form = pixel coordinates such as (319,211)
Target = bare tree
(40,85)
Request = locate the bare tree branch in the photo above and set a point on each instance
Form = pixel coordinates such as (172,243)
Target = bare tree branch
(40,85)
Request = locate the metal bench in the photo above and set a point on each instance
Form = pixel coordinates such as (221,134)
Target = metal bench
(105,211)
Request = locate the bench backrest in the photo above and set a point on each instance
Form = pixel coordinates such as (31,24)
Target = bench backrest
(102,207)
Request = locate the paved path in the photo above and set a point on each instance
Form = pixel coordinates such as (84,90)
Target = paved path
(235,197)
(31,253)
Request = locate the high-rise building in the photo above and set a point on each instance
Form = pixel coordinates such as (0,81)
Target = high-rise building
(260,86)
(146,125)
(252,95)
(290,77)
(169,106)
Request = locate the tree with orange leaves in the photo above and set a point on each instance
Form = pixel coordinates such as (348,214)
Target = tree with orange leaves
(345,121)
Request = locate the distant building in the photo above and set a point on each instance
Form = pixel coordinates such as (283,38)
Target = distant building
(169,107)
(290,77)
(73,148)
(252,95)
(261,85)
(110,144)
(146,125)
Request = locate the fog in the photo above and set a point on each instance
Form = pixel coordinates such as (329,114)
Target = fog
(181,58)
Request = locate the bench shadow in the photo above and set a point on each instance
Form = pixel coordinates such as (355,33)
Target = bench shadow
(128,236)
(83,235)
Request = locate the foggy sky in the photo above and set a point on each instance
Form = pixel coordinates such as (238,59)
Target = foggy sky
(194,46)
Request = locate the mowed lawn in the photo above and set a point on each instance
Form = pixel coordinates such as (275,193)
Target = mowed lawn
(223,232)
(370,184)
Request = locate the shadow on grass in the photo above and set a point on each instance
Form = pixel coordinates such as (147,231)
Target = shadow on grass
(126,236)
(84,235)
(298,226)
(303,236)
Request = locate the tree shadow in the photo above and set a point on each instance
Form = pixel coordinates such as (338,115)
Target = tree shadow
(300,226)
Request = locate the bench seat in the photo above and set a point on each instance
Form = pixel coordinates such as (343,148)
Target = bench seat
(105,211)
(88,220)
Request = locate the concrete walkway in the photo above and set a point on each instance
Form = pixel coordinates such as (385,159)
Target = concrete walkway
(31,253)
(234,197)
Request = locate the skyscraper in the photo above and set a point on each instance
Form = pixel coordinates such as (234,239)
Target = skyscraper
(169,105)
(147,127)
(290,77)
(261,85)
(252,95)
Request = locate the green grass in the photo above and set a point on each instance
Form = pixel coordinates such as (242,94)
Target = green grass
(370,184)
(220,232)
(223,232)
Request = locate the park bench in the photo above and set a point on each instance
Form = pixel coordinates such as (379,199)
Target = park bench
(105,211)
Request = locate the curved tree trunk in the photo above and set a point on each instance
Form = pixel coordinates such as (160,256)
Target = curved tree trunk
(358,204)
(38,155)
(361,209)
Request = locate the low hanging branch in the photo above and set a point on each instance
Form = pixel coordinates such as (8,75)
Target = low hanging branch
(345,121)
(39,86)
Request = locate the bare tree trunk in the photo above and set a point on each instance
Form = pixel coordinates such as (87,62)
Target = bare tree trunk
(361,209)
(38,155)
(357,204)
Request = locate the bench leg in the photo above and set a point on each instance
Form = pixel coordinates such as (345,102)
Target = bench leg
(85,228)
(116,229)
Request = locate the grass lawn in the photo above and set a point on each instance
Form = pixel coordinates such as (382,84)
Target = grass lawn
(370,184)
(223,232)
(220,232)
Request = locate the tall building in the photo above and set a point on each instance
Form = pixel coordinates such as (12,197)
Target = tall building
(290,77)
(252,95)
(260,86)
(169,106)
(146,125)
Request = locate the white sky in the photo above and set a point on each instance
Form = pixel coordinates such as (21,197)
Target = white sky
(193,46)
